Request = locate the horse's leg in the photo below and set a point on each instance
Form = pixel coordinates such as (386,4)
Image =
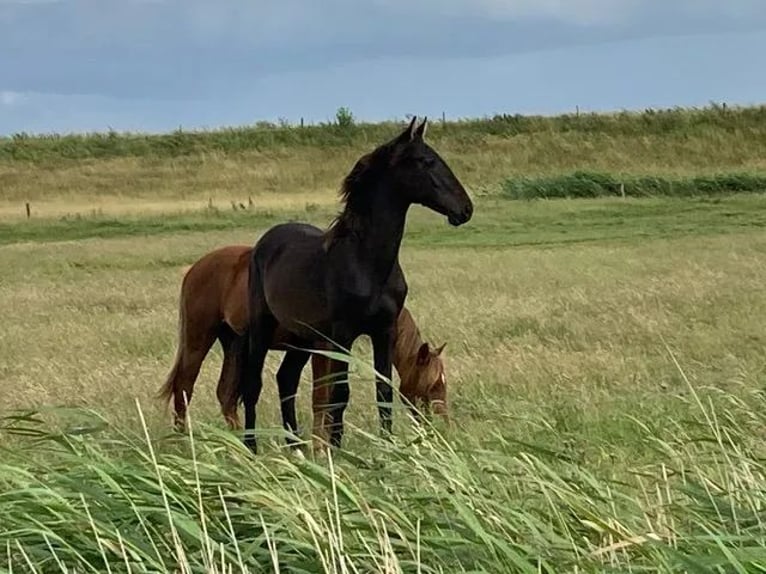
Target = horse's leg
(191,354)
(233,346)
(383,350)
(288,378)
(261,332)
(339,395)
(320,399)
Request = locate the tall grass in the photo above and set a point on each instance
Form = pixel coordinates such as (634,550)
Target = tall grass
(91,497)
(736,122)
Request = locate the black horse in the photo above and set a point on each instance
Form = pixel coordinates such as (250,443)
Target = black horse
(346,281)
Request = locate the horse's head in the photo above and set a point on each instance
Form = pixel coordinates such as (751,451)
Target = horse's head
(425,386)
(423,177)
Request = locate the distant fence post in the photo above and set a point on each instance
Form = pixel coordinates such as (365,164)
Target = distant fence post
(577,111)
(29,210)
(444,119)
(301,122)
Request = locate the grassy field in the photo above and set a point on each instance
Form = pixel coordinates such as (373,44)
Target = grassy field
(606,360)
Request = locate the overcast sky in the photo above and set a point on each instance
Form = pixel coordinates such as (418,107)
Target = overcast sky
(152,65)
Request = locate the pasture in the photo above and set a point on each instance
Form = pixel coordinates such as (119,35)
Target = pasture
(605,362)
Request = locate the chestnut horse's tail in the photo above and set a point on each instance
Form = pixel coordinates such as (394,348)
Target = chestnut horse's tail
(243,353)
(168,389)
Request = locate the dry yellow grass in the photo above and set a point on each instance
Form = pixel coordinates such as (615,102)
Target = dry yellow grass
(573,332)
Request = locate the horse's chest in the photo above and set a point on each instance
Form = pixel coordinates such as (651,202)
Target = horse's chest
(366,314)
(357,300)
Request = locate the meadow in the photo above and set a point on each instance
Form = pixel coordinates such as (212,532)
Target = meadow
(606,355)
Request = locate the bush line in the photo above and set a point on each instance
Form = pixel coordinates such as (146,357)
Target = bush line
(584,184)
(266,135)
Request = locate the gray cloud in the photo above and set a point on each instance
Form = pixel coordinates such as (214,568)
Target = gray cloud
(652,72)
(199,49)
(584,12)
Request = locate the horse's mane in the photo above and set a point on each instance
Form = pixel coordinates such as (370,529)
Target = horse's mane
(356,194)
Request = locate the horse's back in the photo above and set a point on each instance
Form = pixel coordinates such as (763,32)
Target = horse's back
(292,234)
(217,267)
(299,243)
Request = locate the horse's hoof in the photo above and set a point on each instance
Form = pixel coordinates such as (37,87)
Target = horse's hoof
(179,426)
(319,453)
(251,444)
(298,453)
(319,446)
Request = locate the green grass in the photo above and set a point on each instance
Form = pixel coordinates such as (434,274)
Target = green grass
(498,223)
(590,184)
(579,442)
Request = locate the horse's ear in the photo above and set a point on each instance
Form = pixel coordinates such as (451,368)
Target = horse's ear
(409,134)
(439,350)
(421,131)
(423,354)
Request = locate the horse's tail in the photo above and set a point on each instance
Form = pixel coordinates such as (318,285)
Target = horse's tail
(169,388)
(253,282)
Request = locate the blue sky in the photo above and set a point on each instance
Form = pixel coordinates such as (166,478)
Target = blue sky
(154,65)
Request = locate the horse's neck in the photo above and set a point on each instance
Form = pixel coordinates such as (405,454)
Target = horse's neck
(375,244)
(382,241)
(408,342)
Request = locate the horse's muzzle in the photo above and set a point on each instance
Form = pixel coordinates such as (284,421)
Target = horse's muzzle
(464,216)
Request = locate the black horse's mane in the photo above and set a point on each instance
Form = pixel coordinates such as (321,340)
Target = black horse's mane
(356,194)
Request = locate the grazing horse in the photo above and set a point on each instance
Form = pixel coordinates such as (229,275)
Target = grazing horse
(345,281)
(213,305)
(423,385)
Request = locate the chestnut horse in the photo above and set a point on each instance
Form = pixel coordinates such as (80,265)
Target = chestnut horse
(213,305)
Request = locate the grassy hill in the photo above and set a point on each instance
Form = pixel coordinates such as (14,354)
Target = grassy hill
(713,122)
(298,165)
